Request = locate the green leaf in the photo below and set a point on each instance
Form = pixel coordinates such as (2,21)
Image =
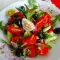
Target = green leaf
(3,28)
(19,10)
(3,41)
(40,13)
(26,9)
(22,11)
(57,18)
(29,15)
(47,35)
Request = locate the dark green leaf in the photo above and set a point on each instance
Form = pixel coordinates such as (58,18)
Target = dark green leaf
(26,9)
(19,10)
(22,11)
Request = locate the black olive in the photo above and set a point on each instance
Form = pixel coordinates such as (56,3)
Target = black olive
(57,30)
(18,22)
(41,35)
(22,7)
(35,16)
(19,52)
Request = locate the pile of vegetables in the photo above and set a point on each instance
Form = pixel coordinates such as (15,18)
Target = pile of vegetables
(30,32)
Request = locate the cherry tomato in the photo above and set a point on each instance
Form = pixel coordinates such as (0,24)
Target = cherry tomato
(20,15)
(42,49)
(42,21)
(30,52)
(10,20)
(14,30)
(30,40)
(15,39)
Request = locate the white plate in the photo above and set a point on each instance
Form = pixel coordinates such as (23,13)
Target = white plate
(54,53)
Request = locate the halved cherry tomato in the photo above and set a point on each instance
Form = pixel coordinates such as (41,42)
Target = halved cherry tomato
(30,40)
(42,21)
(15,39)
(10,21)
(30,52)
(20,15)
(42,49)
(14,30)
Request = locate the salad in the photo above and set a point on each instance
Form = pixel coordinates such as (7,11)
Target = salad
(30,31)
